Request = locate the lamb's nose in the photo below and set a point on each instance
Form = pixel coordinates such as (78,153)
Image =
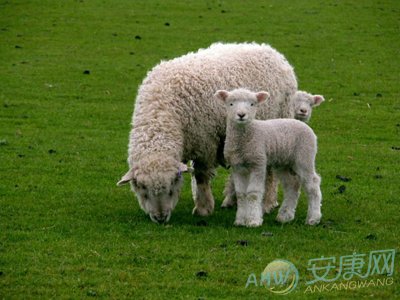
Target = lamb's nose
(304,111)
(241,115)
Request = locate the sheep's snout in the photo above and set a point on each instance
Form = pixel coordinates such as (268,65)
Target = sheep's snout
(161,218)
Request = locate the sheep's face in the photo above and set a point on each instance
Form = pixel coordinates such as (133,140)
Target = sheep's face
(303,104)
(157,193)
(158,202)
(241,104)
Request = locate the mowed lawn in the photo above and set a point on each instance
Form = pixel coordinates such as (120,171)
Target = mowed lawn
(69,73)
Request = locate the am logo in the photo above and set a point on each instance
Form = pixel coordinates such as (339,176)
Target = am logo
(279,277)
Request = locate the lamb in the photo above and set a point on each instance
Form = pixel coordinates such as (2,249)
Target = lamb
(176,119)
(302,104)
(288,146)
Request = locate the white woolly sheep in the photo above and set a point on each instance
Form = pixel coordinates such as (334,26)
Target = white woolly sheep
(289,146)
(176,119)
(302,104)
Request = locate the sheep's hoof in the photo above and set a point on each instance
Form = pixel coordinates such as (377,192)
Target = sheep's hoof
(284,217)
(228,203)
(202,211)
(269,208)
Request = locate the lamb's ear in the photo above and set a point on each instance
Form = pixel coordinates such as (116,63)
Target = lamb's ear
(262,96)
(221,95)
(126,178)
(318,99)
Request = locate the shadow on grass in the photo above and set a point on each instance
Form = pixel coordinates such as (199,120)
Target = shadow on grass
(182,216)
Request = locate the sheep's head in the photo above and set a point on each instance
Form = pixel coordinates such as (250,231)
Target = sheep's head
(241,104)
(157,183)
(303,104)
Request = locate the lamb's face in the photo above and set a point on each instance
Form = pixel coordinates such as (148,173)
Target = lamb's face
(303,104)
(241,104)
(242,111)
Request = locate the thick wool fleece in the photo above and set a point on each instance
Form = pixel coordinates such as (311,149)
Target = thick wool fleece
(177,119)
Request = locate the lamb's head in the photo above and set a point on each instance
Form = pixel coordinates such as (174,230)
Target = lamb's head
(241,104)
(157,182)
(303,104)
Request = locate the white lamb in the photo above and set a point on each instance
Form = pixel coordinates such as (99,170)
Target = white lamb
(288,146)
(302,104)
(177,119)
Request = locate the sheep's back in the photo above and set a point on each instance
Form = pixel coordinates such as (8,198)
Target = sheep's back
(186,85)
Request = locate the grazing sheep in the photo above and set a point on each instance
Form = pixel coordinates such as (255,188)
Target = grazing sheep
(303,103)
(288,146)
(176,119)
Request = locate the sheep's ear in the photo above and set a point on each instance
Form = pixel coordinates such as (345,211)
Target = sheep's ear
(318,99)
(126,178)
(183,168)
(222,95)
(262,96)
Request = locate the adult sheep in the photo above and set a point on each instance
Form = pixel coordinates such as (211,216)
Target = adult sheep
(176,119)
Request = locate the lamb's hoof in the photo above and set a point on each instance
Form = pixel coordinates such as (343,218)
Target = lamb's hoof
(202,211)
(269,208)
(240,222)
(313,220)
(284,217)
(248,223)
(228,203)
(254,223)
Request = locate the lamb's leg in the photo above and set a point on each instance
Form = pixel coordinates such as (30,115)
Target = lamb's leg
(230,193)
(291,190)
(241,180)
(270,196)
(204,200)
(271,192)
(311,185)
(254,197)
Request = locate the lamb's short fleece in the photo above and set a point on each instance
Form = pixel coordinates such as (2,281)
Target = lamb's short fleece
(288,146)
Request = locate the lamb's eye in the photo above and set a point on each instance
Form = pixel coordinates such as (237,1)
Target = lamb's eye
(252,104)
(231,104)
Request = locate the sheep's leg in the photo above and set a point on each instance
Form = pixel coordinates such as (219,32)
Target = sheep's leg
(311,185)
(241,180)
(204,200)
(291,191)
(194,187)
(254,197)
(230,193)
(271,192)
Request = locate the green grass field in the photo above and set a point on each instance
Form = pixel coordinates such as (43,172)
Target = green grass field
(69,72)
